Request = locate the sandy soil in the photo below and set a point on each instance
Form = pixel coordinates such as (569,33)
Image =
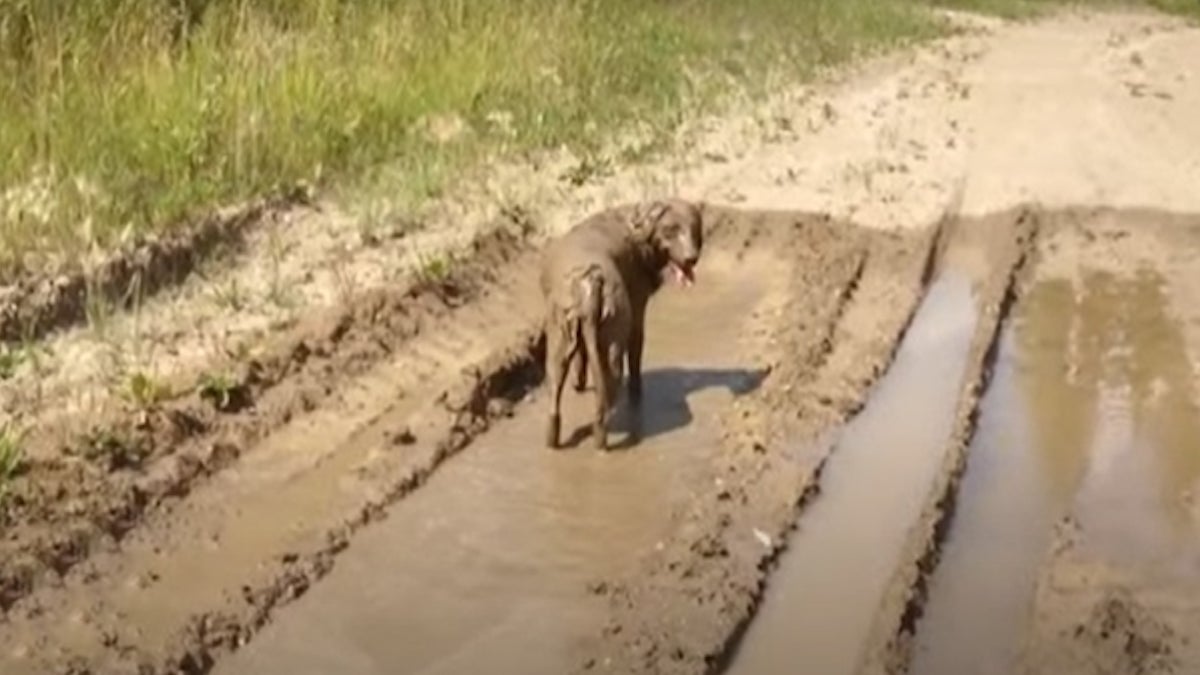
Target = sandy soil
(373,366)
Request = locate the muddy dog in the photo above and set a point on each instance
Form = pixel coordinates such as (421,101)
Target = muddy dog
(597,280)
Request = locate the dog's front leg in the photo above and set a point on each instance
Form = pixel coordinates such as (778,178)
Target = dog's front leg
(637,338)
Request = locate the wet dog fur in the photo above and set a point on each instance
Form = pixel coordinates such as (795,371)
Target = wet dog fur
(597,280)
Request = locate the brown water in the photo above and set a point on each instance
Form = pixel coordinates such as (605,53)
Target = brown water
(1091,409)
(485,569)
(821,601)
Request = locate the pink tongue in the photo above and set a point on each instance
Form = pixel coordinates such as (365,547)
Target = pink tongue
(682,277)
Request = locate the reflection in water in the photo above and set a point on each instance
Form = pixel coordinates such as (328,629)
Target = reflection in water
(1110,335)
(1163,390)
(823,598)
(1090,407)
(1056,339)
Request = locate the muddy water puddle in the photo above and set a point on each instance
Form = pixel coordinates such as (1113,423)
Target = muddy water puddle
(821,601)
(486,568)
(1091,411)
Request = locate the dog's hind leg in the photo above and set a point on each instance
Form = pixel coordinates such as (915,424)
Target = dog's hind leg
(603,388)
(560,347)
(592,306)
(581,370)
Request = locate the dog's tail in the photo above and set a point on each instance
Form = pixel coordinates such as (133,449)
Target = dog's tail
(591,304)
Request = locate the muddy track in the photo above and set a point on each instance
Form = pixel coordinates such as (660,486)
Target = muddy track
(240,533)
(370,395)
(1120,630)
(679,612)
(1053,530)
(1011,239)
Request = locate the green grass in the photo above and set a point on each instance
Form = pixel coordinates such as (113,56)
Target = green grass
(122,116)
(144,391)
(218,389)
(1025,9)
(12,457)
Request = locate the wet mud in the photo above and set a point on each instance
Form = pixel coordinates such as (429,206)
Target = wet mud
(1072,518)
(823,597)
(370,414)
(523,529)
(860,452)
(369,498)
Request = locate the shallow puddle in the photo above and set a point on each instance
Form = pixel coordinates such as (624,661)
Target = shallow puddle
(485,569)
(823,598)
(1091,409)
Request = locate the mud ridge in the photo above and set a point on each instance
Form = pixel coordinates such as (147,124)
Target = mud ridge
(105,477)
(937,242)
(722,659)
(682,614)
(484,395)
(888,648)
(36,303)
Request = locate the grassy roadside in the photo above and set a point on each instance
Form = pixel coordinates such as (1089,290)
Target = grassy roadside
(121,116)
(1023,9)
(118,117)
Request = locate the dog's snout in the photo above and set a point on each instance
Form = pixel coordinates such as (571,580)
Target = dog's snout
(691,259)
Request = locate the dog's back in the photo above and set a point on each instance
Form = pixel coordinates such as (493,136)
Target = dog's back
(609,234)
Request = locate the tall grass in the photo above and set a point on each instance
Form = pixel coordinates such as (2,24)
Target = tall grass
(120,116)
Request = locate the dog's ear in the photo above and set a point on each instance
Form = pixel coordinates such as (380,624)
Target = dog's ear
(647,215)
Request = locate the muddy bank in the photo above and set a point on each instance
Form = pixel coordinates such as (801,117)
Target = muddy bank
(33,303)
(88,481)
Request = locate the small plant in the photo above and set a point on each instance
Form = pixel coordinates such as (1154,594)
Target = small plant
(279,293)
(144,391)
(98,308)
(230,295)
(11,359)
(586,170)
(434,270)
(12,457)
(34,355)
(222,391)
(372,222)
(344,278)
(115,449)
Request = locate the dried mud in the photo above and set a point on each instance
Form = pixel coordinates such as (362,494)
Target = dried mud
(35,302)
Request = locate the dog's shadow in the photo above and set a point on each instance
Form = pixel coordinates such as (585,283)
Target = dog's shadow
(664,407)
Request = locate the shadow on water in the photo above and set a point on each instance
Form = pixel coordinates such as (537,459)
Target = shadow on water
(482,569)
(665,406)
(1091,409)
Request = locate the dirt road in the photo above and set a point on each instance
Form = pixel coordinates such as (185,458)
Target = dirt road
(930,405)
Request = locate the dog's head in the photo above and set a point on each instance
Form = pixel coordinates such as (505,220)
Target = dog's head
(675,231)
